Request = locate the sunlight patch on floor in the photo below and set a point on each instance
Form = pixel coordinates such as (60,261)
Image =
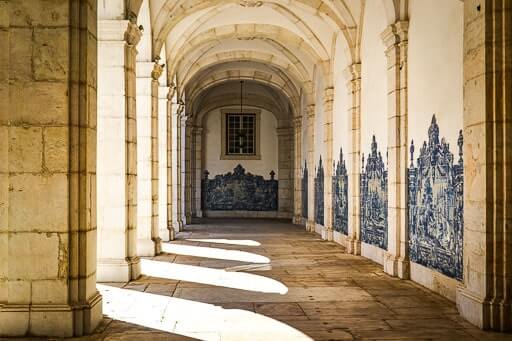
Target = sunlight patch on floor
(217,277)
(193,319)
(216,253)
(240,242)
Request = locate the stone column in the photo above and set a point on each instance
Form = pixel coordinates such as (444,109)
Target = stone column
(171,164)
(176,178)
(328,167)
(297,197)
(117,151)
(164,229)
(48,170)
(179,164)
(198,170)
(310,112)
(183,171)
(188,166)
(396,260)
(353,75)
(284,164)
(145,243)
(484,297)
(155,235)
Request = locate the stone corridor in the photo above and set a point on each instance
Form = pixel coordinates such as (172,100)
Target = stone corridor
(271,280)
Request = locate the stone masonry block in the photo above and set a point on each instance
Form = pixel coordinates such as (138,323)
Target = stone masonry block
(39,13)
(51,54)
(38,202)
(55,142)
(34,255)
(48,103)
(4,202)
(49,291)
(20,50)
(25,149)
(4,13)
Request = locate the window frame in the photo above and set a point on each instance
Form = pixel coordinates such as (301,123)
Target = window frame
(224,155)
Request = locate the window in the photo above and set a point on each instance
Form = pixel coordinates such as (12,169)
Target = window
(240,135)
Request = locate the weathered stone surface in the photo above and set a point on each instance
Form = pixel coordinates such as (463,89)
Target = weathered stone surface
(41,197)
(25,149)
(25,248)
(50,54)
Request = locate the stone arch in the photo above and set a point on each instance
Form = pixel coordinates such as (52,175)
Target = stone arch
(274,34)
(341,17)
(257,76)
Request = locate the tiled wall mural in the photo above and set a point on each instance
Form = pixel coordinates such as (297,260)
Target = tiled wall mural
(374,199)
(305,178)
(239,191)
(436,205)
(319,194)
(340,196)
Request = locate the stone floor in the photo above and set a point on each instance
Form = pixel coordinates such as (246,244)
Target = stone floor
(270,280)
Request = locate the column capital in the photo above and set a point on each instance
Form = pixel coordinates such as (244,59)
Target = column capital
(297,122)
(132,34)
(352,72)
(157,70)
(395,34)
(310,111)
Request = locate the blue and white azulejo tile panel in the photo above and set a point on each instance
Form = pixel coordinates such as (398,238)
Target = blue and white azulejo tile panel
(436,205)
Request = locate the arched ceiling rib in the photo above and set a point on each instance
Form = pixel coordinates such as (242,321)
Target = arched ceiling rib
(238,71)
(337,13)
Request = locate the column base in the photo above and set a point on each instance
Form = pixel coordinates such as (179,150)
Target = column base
(327,234)
(53,320)
(484,313)
(310,226)
(181,225)
(146,247)
(354,246)
(297,220)
(396,266)
(166,235)
(118,270)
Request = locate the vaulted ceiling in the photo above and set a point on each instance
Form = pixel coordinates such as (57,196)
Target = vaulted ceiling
(284,45)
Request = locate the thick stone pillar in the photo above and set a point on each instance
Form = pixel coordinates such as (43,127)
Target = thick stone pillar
(117,151)
(396,260)
(197,171)
(164,230)
(310,112)
(353,75)
(48,170)
(155,171)
(148,242)
(328,166)
(484,297)
(297,197)
(284,164)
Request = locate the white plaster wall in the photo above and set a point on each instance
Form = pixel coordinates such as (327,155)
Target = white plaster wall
(373,79)
(268,147)
(435,69)
(319,119)
(304,135)
(340,122)
(435,79)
